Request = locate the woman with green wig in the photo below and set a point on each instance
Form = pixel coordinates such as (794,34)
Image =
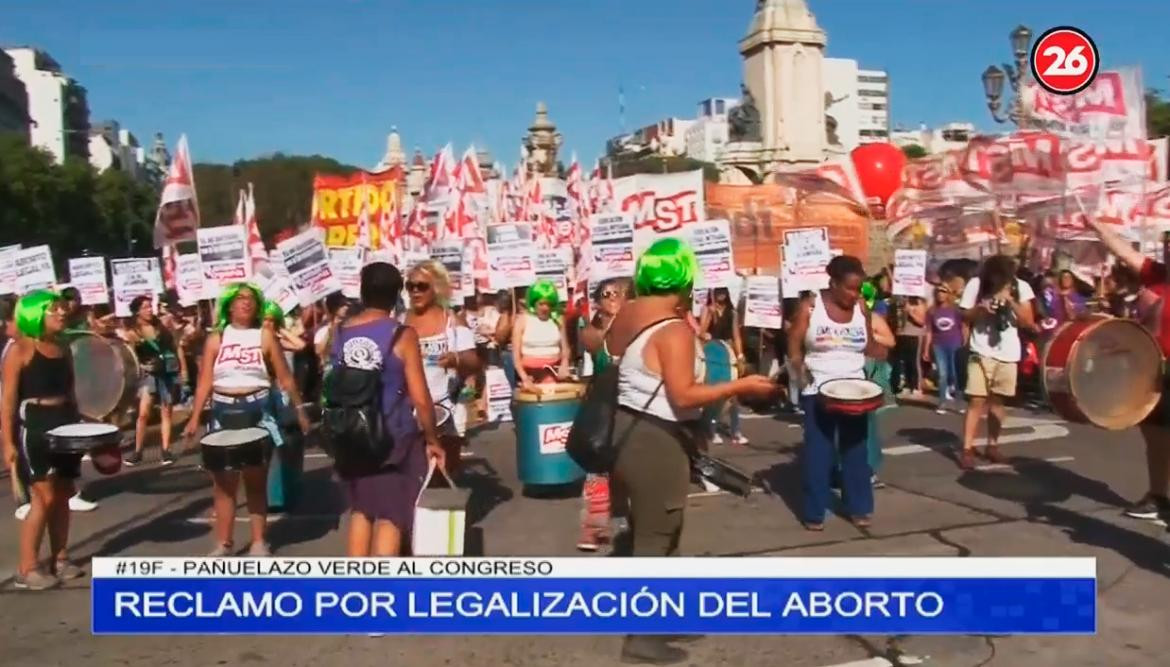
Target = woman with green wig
(38,397)
(658,426)
(540,345)
(240,360)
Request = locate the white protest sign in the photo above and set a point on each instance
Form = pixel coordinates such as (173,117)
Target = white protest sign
(280,290)
(449,253)
(223,252)
(611,247)
(554,265)
(132,278)
(8,269)
(804,256)
(909,273)
(763,307)
(711,241)
(189,279)
(511,255)
(307,263)
(34,269)
(347,263)
(88,275)
(499,394)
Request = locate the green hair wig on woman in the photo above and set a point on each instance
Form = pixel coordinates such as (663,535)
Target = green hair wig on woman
(223,306)
(273,311)
(667,267)
(543,290)
(30,312)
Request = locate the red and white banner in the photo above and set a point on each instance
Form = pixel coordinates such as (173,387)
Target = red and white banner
(1114,105)
(178,210)
(661,204)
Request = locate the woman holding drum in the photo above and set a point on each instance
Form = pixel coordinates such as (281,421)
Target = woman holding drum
(827,348)
(540,347)
(163,370)
(382,496)
(721,328)
(235,375)
(37,398)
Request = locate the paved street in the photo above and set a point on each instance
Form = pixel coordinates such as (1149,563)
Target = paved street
(1061,495)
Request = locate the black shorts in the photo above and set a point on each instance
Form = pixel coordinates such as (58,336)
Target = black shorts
(37,460)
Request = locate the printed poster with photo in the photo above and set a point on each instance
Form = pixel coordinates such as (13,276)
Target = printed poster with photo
(347,263)
(34,269)
(763,307)
(132,278)
(803,259)
(611,247)
(711,241)
(554,265)
(307,263)
(909,277)
(223,253)
(88,275)
(511,255)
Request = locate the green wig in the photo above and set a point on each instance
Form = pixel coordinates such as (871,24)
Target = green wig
(869,294)
(223,306)
(30,312)
(543,290)
(273,311)
(667,267)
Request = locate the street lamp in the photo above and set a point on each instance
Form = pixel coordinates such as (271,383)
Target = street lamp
(995,77)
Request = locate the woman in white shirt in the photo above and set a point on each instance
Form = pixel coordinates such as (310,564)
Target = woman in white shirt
(235,374)
(540,347)
(830,341)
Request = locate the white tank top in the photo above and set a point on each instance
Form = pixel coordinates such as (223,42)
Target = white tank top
(240,362)
(542,338)
(833,350)
(637,383)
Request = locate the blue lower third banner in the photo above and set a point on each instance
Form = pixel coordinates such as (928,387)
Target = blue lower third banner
(602,596)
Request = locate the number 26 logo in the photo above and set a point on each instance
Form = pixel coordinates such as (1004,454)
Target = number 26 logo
(1064,60)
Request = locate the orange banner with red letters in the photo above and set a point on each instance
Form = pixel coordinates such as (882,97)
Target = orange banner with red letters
(337,203)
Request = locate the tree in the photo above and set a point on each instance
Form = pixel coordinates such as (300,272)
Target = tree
(656,164)
(1157,115)
(914,151)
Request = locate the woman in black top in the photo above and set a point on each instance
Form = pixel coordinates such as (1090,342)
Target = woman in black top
(38,397)
(720,321)
(162,366)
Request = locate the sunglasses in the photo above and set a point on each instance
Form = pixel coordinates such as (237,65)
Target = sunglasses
(412,286)
(610,295)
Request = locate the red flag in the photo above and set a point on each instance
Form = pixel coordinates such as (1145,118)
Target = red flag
(256,247)
(178,209)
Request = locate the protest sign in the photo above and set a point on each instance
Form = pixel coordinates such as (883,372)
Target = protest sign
(611,247)
(449,253)
(34,269)
(804,256)
(554,265)
(223,253)
(189,280)
(909,277)
(762,307)
(347,262)
(132,278)
(511,255)
(280,290)
(8,269)
(88,275)
(711,241)
(307,263)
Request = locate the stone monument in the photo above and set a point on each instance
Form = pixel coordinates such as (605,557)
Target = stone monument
(395,156)
(541,144)
(780,123)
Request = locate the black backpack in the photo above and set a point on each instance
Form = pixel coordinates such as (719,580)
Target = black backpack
(351,420)
(591,443)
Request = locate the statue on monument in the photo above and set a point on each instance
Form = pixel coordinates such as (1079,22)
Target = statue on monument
(744,120)
(830,121)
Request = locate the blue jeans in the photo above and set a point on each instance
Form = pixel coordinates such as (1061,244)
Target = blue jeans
(509,365)
(946,359)
(830,438)
(711,415)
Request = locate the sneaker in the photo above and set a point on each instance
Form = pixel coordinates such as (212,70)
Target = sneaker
(877,483)
(941,409)
(86,457)
(168,458)
(22,512)
(740,440)
(133,460)
(967,459)
(709,487)
(589,541)
(259,550)
(992,454)
(716,439)
(35,581)
(1149,508)
(79,504)
(67,571)
(862,521)
(221,551)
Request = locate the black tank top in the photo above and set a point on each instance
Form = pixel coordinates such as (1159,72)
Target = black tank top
(46,377)
(723,326)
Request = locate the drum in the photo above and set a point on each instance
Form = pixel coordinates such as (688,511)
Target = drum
(103,442)
(1103,371)
(849,396)
(724,475)
(231,450)
(720,361)
(450,440)
(543,420)
(287,468)
(105,373)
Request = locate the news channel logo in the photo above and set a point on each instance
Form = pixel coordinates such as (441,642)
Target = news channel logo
(1064,60)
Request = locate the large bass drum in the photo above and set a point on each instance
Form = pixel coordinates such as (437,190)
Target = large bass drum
(105,372)
(1103,371)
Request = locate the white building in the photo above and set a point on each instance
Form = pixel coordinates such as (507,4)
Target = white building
(665,138)
(951,136)
(706,138)
(57,106)
(858,100)
(114,147)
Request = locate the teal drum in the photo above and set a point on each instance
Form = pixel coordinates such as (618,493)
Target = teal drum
(719,359)
(287,467)
(543,419)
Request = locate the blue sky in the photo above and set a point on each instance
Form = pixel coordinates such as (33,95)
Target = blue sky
(248,77)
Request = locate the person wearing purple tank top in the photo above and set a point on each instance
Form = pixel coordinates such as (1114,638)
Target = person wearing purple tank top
(381,500)
(946,333)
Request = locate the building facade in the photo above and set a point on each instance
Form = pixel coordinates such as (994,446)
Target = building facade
(873,105)
(667,137)
(707,136)
(58,107)
(114,147)
(949,137)
(13,99)
(859,101)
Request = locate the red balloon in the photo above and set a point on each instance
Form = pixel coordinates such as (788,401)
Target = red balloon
(879,168)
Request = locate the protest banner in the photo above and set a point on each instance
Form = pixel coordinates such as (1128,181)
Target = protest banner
(499,395)
(611,246)
(189,280)
(88,275)
(762,307)
(308,265)
(8,269)
(511,255)
(449,253)
(223,254)
(909,277)
(804,255)
(760,214)
(337,203)
(280,290)
(132,278)
(554,265)
(660,204)
(347,262)
(711,241)
(1112,105)
(34,269)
